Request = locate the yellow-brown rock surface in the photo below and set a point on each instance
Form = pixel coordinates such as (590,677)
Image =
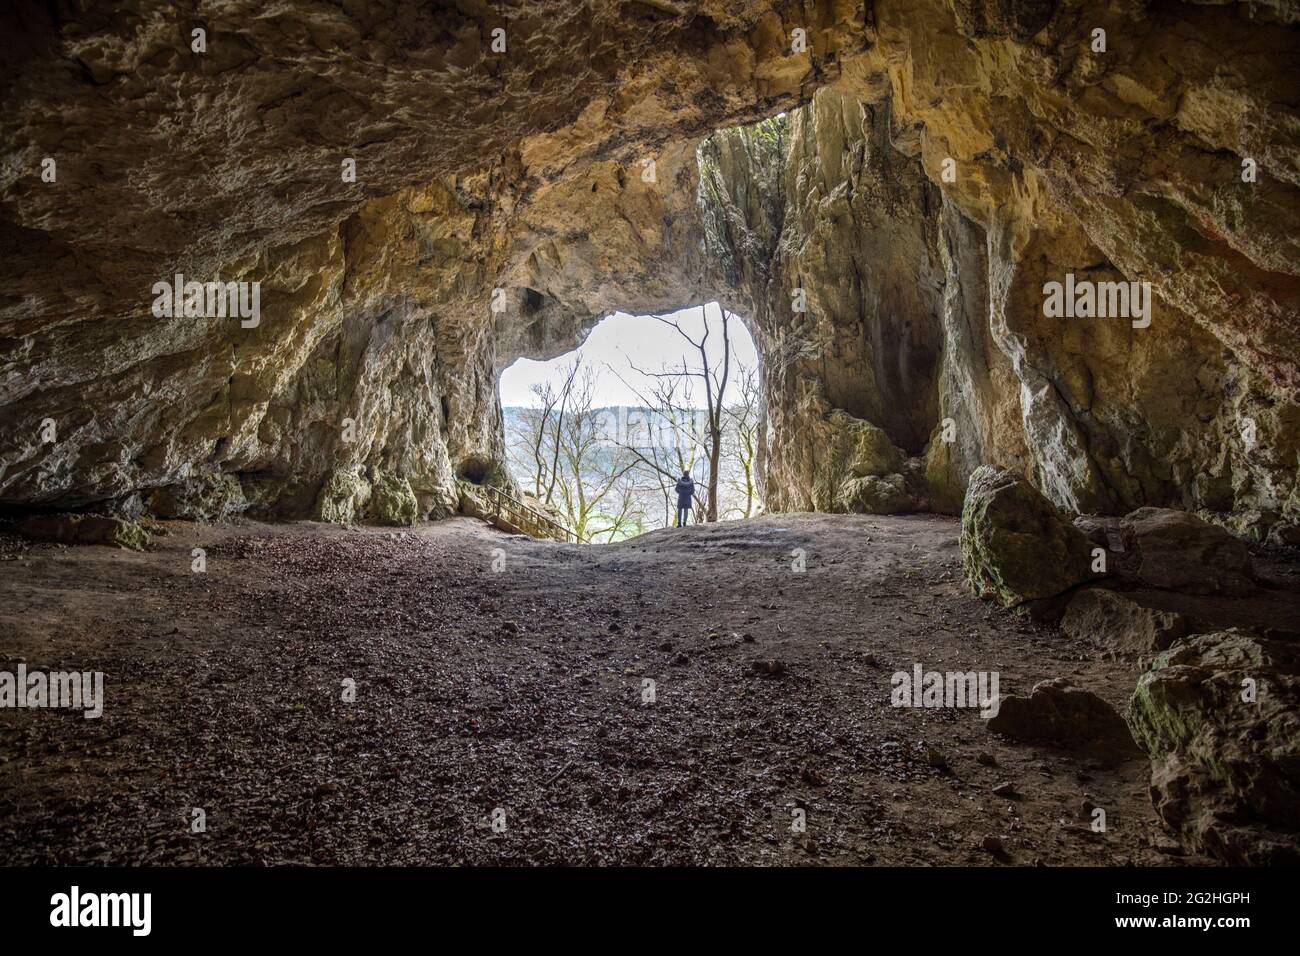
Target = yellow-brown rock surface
(526,171)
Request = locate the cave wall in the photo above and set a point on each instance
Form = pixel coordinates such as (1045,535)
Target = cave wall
(474,173)
(525,172)
(1127,163)
(826,238)
(926,325)
(1111,167)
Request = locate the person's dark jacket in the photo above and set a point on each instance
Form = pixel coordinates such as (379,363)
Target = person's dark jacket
(685,491)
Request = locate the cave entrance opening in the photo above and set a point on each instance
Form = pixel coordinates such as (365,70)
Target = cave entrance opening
(600,435)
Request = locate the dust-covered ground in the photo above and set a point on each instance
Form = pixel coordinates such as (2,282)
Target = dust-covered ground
(503,679)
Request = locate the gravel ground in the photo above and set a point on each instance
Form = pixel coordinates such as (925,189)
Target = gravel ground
(500,678)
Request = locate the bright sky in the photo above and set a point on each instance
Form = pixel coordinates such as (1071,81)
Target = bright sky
(622,339)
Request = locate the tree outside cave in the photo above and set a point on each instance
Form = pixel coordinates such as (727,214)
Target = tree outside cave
(600,435)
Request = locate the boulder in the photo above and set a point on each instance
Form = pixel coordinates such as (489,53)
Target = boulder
(436,499)
(84,529)
(861,448)
(1062,715)
(1103,531)
(1015,545)
(881,495)
(474,500)
(1178,551)
(1219,716)
(392,502)
(1118,623)
(844,450)
(342,497)
(206,498)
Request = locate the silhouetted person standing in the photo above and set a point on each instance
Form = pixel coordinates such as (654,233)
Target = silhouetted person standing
(685,492)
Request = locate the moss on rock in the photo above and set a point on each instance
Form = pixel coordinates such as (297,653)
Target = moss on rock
(392,502)
(84,529)
(1219,716)
(880,495)
(1015,545)
(207,498)
(342,497)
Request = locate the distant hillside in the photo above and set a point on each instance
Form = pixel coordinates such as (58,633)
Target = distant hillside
(634,425)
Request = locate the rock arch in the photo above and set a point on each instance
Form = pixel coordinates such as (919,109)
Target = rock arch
(523,172)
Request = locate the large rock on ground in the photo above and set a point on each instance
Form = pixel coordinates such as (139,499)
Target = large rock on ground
(1225,762)
(436,500)
(1015,545)
(84,529)
(1057,713)
(875,494)
(392,502)
(854,466)
(208,498)
(1178,551)
(342,498)
(474,500)
(1120,624)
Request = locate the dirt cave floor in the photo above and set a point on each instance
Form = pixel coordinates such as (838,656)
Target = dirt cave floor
(497,675)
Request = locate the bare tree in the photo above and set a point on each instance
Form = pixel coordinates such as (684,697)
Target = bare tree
(534,435)
(743,421)
(530,432)
(621,513)
(566,391)
(714,375)
(590,470)
(673,439)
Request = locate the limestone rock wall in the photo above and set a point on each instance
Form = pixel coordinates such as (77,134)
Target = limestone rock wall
(1102,416)
(227,162)
(841,282)
(1125,163)
(502,204)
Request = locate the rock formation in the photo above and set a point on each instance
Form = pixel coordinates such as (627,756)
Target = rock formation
(888,239)
(1120,624)
(1016,545)
(1164,548)
(1219,715)
(1061,715)
(84,529)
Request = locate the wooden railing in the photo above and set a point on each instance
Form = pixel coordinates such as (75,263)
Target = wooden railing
(514,515)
